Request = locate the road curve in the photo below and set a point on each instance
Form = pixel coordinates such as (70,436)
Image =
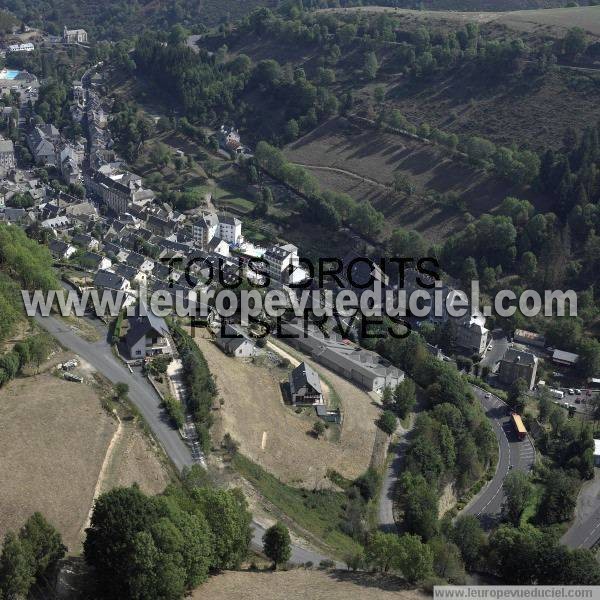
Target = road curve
(512,454)
(487,504)
(100,355)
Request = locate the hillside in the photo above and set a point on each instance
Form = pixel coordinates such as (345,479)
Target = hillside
(362,164)
(521,99)
(113,19)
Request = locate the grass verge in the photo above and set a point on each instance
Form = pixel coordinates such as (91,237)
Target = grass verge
(321,512)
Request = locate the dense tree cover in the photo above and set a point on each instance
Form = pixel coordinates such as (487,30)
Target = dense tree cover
(10,305)
(388,422)
(175,411)
(200,385)
(116,19)
(467,534)
(529,556)
(24,264)
(569,444)
(518,490)
(406,554)
(29,557)
(129,128)
(402,398)
(25,260)
(24,200)
(162,547)
(452,441)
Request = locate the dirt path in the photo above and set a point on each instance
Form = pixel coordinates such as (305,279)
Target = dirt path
(344,172)
(103,470)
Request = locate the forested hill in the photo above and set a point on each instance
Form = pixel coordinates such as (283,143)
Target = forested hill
(24,264)
(114,19)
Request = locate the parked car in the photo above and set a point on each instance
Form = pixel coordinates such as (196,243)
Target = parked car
(571,392)
(488,395)
(70,377)
(578,392)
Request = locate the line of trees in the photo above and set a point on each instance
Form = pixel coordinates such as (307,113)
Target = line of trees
(327,208)
(31,351)
(199,382)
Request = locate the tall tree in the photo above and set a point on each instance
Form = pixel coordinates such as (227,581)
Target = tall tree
(518,490)
(277,544)
(16,568)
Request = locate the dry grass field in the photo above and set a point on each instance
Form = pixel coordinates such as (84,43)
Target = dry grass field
(136,460)
(300,584)
(278,439)
(356,158)
(552,20)
(53,439)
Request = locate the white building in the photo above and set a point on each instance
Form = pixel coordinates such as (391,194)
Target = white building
(230,229)
(210,226)
(27,47)
(75,36)
(281,261)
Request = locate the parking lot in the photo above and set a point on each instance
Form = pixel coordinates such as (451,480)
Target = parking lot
(581,399)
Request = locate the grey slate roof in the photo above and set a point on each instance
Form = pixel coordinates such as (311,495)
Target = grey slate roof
(335,351)
(58,246)
(107,280)
(137,260)
(233,338)
(513,355)
(142,325)
(126,271)
(304,375)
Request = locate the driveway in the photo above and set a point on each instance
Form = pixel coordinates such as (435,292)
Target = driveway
(393,470)
(492,357)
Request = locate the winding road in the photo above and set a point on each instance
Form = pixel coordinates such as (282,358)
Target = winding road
(487,504)
(512,454)
(99,354)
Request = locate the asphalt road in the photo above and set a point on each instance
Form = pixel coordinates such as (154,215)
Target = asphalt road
(99,354)
(388,486)
(585,534)
(512,454)
(492,357)
(585,530)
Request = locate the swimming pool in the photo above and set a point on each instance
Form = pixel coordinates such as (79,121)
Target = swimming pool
(8,73)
